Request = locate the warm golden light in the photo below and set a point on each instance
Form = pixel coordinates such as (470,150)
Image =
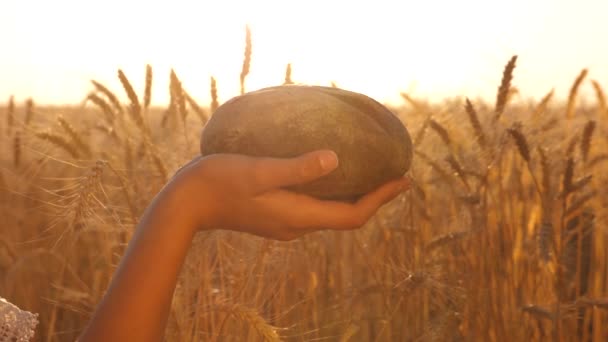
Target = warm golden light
(430,48)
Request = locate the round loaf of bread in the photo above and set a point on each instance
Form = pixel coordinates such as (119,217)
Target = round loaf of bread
(372,144)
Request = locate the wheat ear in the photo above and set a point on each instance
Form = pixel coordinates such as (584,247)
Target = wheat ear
(573,93)
(505,85)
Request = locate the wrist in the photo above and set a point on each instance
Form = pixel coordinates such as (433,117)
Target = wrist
(189,198)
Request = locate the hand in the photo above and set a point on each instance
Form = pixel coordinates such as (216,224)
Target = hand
(246,194)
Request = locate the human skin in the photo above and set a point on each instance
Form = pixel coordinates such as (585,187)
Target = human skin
(231,192)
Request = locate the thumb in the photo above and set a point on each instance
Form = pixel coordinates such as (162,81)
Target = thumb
(272,173)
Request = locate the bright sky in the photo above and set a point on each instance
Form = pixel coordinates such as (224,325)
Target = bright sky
(431,48)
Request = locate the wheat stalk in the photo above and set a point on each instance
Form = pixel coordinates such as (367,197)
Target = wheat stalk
(573,92)
(247,59)
(505,84)
(266,331)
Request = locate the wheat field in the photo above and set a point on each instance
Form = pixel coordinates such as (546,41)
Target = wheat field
(501,238)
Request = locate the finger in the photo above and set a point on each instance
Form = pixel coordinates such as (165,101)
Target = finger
(308,213)
(370,203)
(272,173)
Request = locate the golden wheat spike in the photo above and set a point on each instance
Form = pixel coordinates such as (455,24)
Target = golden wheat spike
(148,87)
(571,107)
(59,141)
(214,101)
(601,98)
(474,120)
(505,85)
(76,137)
(109,95)
(521,142)
(542,105)
(108,112)
(247,59)
(177,92)
(135,107)
(441,131)
(567,177)
(196,108)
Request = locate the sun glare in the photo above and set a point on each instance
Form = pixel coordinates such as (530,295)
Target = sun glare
(428,48)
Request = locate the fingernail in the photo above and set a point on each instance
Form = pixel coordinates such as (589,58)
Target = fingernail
(328,160)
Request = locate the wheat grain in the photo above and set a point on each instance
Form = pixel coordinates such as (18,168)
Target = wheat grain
(573,93)
(505,85)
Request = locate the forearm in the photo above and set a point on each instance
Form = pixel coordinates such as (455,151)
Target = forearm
(138,301)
